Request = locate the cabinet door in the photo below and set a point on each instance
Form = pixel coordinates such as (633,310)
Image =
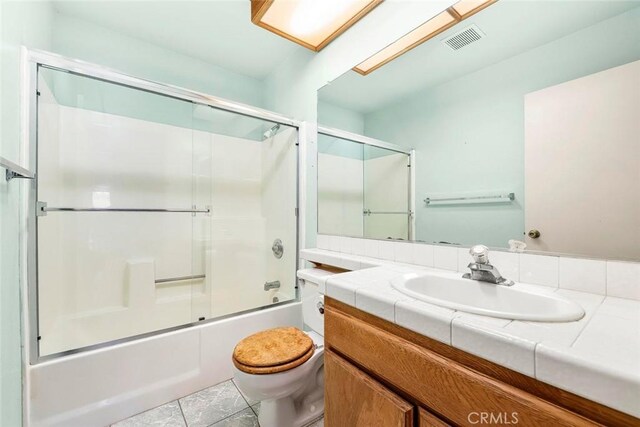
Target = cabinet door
(427,419)
(436,382)
(354,399)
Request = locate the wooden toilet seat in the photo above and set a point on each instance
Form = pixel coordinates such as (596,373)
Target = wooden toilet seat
(273,350)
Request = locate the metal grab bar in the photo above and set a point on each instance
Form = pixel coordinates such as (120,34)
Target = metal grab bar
(272,285)
(42,209)
(180,279)
(370,212)
(488,198)
(15,171)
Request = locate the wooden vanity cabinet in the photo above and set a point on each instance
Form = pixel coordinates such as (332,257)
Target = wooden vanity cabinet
(380,374)
(353,398)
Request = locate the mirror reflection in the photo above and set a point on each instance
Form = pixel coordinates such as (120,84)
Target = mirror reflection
(363,189)
(527,131)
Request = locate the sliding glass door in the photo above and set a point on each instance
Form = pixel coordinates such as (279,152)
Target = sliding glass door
(154,212)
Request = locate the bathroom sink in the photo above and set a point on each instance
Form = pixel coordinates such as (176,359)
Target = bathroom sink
(507,302)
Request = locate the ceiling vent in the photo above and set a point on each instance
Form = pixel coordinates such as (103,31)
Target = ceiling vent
(464,38)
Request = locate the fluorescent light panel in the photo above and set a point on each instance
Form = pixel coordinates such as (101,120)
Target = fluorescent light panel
(310,23)
(407,42)
(436,25)
(466,8)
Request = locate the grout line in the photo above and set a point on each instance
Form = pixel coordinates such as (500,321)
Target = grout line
(254,411)
(453,316)
(606,278)
(237,412)
(140,413)
(186,423)
(241,395)
(593,314)
(228,416)
(395,310)
(535,360)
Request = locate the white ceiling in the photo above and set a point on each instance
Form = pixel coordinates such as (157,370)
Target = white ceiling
(511,27)
(219,32)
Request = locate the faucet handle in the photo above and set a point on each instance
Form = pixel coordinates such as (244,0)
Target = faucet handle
(480,254)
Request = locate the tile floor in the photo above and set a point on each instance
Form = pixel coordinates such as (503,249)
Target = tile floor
(222,405)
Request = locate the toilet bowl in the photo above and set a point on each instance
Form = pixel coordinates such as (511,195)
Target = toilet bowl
(294,397)
(290,386)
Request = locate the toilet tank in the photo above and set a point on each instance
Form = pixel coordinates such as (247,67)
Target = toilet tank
(312,299)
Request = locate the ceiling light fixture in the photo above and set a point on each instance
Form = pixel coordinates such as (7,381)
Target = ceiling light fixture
(466,8)
(436,25)
(310,23)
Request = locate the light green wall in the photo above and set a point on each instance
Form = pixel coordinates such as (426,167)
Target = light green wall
(469,133)
(21,23)
(340,118)
(75,91)
(77,39)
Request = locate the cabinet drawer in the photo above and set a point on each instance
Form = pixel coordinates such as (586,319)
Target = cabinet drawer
(354,399)
(447,388)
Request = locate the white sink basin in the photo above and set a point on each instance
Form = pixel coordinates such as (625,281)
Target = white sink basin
(507,302)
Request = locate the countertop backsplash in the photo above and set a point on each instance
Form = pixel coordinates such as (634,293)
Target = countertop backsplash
(619,279)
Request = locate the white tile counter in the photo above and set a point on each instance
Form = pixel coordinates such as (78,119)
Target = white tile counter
(596,357)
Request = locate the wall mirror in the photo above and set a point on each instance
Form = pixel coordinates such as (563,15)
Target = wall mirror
(524,121)
(364,187)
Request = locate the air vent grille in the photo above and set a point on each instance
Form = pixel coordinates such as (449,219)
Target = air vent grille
(464,38)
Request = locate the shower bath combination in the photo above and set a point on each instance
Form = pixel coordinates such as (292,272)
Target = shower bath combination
(151,218)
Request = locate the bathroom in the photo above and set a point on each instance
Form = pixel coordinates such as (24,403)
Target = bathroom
(299,213)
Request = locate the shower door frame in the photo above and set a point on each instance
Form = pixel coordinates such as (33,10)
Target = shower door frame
(32,60)
(411,175)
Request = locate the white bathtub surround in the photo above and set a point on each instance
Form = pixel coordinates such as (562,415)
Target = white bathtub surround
(159,369)
(615,278)
(597,357)
(97,270)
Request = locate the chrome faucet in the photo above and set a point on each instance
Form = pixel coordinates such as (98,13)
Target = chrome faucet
(481,269)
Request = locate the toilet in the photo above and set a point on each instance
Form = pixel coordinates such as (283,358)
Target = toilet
(283,368)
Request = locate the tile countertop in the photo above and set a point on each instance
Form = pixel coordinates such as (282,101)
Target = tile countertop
(596,357)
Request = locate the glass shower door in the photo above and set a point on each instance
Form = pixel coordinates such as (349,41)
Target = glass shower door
(154,212)
(251,184)
(386,194)
(119,212)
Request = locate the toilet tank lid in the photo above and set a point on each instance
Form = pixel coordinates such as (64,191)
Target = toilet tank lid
(314,275)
